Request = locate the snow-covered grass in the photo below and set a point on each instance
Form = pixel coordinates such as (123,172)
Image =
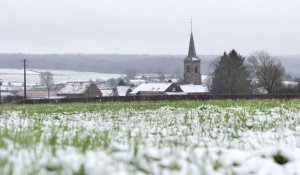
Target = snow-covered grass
(213,137)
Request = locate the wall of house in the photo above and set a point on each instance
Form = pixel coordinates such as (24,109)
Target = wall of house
(173,88)
(150,93)
(92,91)
(72,95)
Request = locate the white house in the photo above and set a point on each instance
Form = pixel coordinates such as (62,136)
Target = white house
(156,89)
(109,92)
(194,89)
(80,90)
(123,90)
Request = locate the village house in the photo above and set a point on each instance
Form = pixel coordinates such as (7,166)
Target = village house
(150,89)
(109,92)
(123,90)
(80,90)
(108,89)
(38,94)
(192,89)
(11,87)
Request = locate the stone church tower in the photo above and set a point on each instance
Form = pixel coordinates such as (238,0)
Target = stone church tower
(192,64)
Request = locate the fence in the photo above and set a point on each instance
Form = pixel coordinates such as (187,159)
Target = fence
(160,98)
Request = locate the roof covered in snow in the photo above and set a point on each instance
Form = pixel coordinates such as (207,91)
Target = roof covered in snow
(37,94)
(151,87)
(137,81)
(11,88)
(290,83)
(191,88)
(107,92)
(75,88)
(122,90)
(5,94)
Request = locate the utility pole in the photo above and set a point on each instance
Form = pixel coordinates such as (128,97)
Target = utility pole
(0,91)
(25,93)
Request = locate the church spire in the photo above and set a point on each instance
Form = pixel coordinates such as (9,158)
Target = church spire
(192,50)
(192,64)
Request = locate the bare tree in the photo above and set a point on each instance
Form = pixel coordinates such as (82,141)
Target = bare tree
(47,80)
(266,70)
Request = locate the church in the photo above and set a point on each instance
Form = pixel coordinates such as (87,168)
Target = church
(192,65)
(192,79)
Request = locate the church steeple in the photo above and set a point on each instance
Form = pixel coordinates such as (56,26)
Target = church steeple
(192,50)
(192,63)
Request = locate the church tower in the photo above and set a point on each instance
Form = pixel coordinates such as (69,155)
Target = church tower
(192,64)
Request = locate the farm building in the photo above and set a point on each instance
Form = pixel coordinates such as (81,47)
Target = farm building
(149,89)
(107,89)
(80,90)
(123,90)
(38,94)
(12,88)
(192,89)
(6,95)
(109,92)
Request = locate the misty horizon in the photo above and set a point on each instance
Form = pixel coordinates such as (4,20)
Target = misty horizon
(119,63)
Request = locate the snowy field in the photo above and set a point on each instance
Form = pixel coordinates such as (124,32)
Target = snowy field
(59,76)
(214,137)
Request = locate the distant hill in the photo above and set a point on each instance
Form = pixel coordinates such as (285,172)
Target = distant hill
(115,63)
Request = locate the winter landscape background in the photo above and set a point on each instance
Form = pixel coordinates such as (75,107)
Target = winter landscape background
(122,64)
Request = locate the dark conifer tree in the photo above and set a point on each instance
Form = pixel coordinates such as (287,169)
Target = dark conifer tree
(231,75)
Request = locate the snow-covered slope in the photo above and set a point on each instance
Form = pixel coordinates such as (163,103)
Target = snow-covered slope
(59,76)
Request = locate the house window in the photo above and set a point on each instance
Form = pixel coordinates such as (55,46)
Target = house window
(196,69)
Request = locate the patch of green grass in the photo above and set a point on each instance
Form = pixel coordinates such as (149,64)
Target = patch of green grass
(72,108)
(81,171)
(280,159)
(217,165)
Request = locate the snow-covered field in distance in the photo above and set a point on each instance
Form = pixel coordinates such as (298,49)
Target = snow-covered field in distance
(59,76)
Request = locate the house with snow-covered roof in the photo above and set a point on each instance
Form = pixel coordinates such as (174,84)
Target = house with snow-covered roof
(149,89)
(123,90)
(109,92)
(80,90)
(192,89)
(39,94)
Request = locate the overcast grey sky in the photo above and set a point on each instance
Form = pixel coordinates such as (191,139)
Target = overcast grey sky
(149,26)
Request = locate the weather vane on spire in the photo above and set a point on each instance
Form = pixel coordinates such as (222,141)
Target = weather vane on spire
(191,24)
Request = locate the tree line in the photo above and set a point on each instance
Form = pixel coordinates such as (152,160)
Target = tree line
(259,73)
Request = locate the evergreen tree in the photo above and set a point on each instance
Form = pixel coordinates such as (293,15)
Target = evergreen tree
(231,75)
(121,82)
